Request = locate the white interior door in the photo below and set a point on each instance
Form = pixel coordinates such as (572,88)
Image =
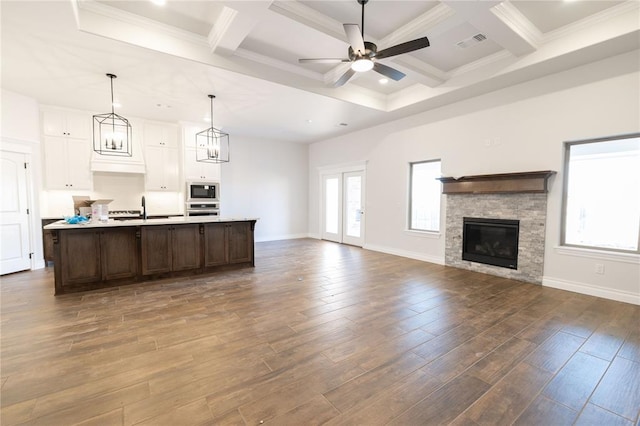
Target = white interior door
(14,219)
(342,207)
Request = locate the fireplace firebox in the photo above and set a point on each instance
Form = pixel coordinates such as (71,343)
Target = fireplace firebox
(491,241)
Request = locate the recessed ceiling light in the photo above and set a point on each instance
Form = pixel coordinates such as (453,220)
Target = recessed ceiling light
(343,124)
(207,119)
(309,121)
(383,81)
(159,2)
(117,105)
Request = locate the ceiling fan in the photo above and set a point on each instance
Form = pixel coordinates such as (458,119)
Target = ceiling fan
(364,55)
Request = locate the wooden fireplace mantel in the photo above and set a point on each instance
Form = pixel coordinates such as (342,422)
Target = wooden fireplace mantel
(532,182)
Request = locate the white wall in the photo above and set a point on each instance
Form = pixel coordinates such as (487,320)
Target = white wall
(521,128)
(20,132)
(268,180)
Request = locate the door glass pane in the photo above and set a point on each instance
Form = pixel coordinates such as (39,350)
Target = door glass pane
(332,211)
(353,203)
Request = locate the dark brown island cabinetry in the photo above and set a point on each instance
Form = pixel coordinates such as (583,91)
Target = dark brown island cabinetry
(87,256)
(47,241)
(97,257)
(228,243)
(170,248)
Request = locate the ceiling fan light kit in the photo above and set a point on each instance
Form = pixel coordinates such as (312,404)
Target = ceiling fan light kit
(112,132)
(362,65)
(364,55)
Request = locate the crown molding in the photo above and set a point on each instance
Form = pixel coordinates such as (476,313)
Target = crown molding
(593,20)
(331,76)
(137,21)
(427,71)
(480,63)
(276,63)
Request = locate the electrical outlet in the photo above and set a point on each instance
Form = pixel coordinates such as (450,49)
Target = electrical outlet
(599,268)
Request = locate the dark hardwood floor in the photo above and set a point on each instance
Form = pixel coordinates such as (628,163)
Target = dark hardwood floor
(317,333)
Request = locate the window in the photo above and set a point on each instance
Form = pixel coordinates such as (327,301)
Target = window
(602,193)
(424,199)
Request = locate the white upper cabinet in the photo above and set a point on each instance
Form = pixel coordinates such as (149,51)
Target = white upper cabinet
(162,168)
(66,162)
(162,157)
(195,170)
(66,124)
(67,149)
(160,135)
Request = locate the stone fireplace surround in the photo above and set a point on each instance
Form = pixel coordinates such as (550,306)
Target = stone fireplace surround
(519,196)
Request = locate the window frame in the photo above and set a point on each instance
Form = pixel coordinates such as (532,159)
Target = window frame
(565,193)
(410,227)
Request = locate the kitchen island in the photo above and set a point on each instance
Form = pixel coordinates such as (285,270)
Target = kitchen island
(117,252)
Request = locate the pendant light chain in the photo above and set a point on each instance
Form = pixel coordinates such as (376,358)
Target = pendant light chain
(111,76)
(212,97)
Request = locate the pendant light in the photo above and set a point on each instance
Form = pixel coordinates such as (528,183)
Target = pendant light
(112,132)
(212,145)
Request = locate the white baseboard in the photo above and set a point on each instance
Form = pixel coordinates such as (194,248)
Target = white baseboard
(591,290)
(280,237)
(404,253)
(38,264)
(314,236)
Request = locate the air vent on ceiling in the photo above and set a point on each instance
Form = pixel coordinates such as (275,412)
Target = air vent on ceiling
(468,42)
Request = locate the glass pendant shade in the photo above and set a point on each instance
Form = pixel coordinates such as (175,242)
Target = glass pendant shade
(212,145)
(111,132)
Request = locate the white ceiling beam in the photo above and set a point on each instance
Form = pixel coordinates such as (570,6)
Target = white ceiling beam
(233,25)
(219,35)
(518,23)
(309,17)
(418,27)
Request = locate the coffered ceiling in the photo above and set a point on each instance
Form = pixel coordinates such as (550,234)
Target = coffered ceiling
(168,58)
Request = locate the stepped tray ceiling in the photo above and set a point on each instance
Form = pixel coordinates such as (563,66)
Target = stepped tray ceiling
(168,58)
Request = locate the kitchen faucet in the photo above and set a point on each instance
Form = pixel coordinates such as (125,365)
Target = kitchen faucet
(144,209)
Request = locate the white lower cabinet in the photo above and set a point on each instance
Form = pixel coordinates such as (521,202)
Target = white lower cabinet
(162,168)
(66,163)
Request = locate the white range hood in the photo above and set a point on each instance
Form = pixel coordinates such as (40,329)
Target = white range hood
(106,164)
(116,164)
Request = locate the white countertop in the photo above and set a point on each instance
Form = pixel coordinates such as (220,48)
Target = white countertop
(111,223)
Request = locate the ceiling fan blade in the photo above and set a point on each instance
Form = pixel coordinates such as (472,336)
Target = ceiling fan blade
(323,61)
(401,48)
(345,77)
(392,73)
(355,38)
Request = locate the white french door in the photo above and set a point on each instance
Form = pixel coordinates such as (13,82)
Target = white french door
(14,219)
(342,207)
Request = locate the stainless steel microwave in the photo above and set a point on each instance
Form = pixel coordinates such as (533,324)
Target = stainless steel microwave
(203,191)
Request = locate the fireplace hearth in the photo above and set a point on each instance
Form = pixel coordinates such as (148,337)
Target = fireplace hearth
(491,241)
